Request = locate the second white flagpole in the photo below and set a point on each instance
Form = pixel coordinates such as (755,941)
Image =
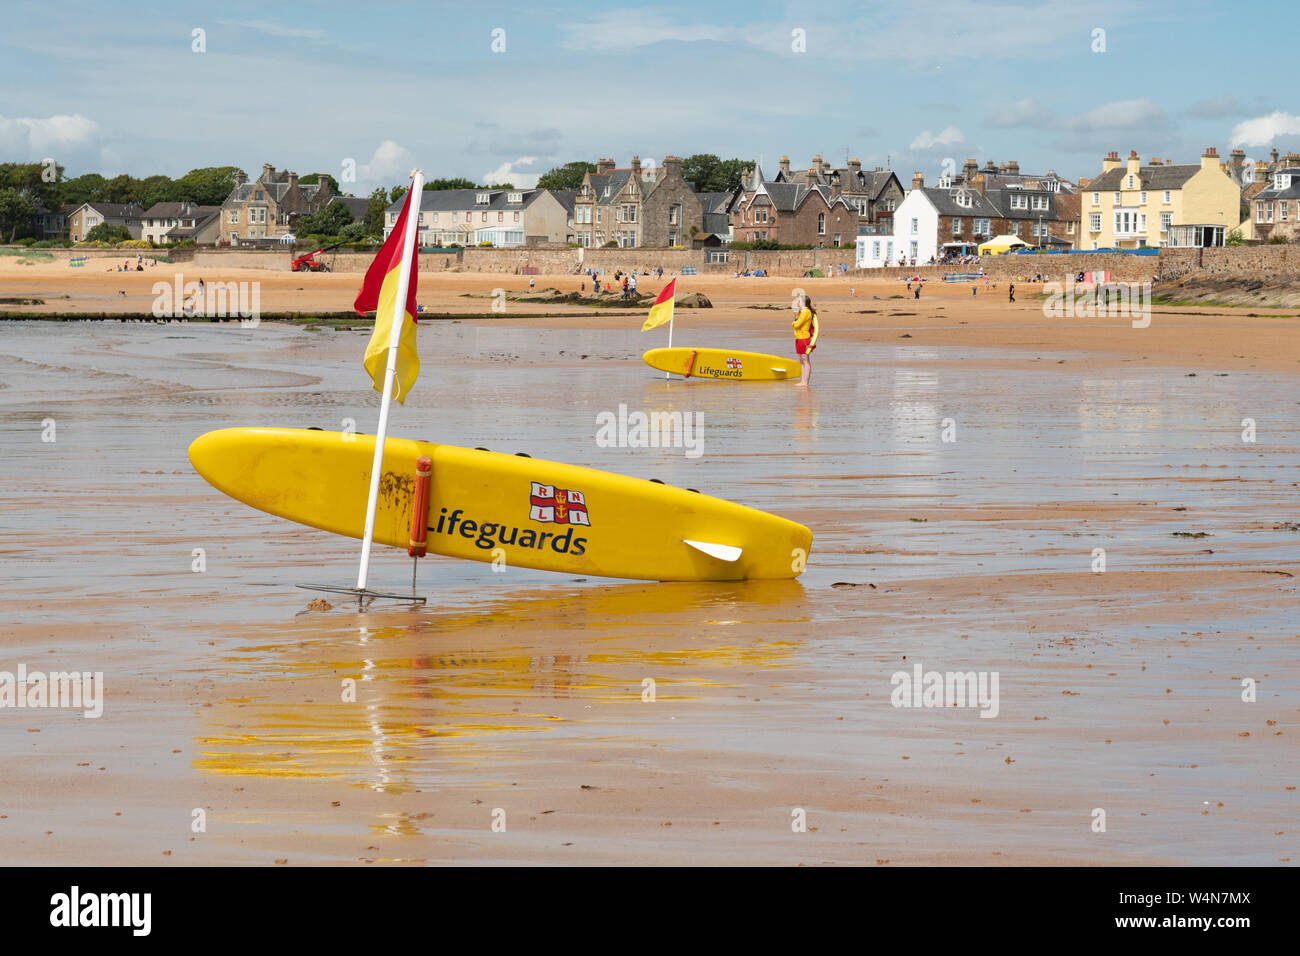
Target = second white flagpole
(672,310)
(390,373)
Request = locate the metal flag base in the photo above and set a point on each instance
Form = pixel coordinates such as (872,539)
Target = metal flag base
(364,595)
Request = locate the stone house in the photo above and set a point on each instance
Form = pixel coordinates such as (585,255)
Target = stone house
(268,207)
(874,194)
(1275,209)
(792,214)
(635,207)
(91,214)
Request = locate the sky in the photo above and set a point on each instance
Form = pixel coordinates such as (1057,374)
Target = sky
(500,92)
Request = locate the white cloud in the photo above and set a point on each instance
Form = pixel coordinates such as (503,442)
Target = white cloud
(1263,130)
(627,29)
(33,138)
(1024,112)
(506,173)
(275,29)
(947,136)
(1141,113)
(389,162)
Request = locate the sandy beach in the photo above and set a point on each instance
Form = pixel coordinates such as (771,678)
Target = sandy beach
(520,699)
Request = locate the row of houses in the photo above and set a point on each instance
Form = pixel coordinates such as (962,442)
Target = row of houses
(1130,204)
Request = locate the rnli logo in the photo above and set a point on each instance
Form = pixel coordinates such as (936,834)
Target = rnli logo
(553,505)
(734,363)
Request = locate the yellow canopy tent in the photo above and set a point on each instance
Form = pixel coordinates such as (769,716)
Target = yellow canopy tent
(1000,244)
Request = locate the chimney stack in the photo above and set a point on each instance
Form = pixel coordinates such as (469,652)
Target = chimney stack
(636,168)
(1110,161)
(604,167)
(293,179)
(968,171)
(268,173)
(1134,165)
(1210,159)
(785,166)
(1013,167)
(810,176)
(672,167)
(1274,155)
(241,177)
(817,164)
(855,169)
(918,181)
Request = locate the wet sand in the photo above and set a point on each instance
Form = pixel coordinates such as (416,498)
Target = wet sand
(523,692)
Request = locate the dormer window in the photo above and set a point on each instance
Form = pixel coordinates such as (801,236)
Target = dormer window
(515,197)
(483,199)
(1130,182)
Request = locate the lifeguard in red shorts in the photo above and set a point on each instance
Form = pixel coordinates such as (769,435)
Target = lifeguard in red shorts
(806,330)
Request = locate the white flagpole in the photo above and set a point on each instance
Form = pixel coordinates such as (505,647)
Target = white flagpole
(672,310)
(390,374)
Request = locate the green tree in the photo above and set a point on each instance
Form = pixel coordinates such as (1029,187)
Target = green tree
(153,189)
(568,176)
(207,186)
(106,232)
(709,174)
(396,193)
(81,189)
(434,185)
(375,209)
(15,210)
(1235,238)
(312,178)
(327,222)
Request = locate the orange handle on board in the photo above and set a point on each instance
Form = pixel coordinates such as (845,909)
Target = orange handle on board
(690,366)
(420,509)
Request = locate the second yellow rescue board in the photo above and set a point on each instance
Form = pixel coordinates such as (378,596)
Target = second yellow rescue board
(725,364)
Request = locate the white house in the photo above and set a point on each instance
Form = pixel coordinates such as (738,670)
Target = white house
(914,239)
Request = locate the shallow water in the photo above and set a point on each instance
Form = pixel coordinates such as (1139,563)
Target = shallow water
(455,695)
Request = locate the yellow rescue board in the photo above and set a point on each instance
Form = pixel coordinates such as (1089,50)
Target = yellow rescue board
(727,364)
(540,514)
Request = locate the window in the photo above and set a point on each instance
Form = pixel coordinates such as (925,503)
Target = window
(482,199)
(1096,199)
(821,224)
(1268,211)
(1168,196)
(1142,222)
(501,217)
(1069,228)
(1130,182)
(234,215)
(1282,210)
(1116,198)
(1166,220)
(835,240)
(257,194)
(422,219)
(1259,212)
(956,225)
(982,227)
(913,248)
(517,214)
(482,217)
(515,197)
(1142,198)
(875,249)
(915,230)
(598,215)
(469,216)
(673,215)
(1040,202)
(963,199)
(1019,202)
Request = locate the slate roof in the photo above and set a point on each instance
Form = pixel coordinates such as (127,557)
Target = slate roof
(944,200)
(116,210)
(1150,178)
(177,210)
(1290,192)
(1001,199)
(356,205)
(565,197)
(276,189)
(994,180)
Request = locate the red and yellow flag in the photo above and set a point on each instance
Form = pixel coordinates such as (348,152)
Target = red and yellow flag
(379,293)
(662,310)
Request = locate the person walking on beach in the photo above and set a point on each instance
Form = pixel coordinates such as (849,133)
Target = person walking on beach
(805,337)
(1011,292)
(632,286)
(916,294)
